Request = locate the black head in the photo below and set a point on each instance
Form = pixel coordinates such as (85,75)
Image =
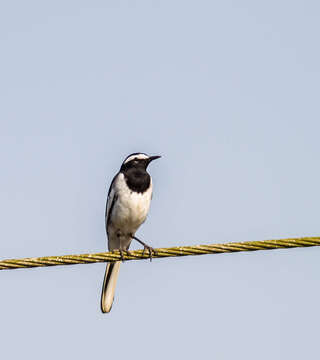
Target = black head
(137,161)
(134,170)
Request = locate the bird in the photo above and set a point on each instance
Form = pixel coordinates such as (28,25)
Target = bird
(127,207)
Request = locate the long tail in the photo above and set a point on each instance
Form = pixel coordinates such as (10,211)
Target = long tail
(109,285)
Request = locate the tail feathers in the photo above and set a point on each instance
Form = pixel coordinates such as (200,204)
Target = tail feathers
(109,286)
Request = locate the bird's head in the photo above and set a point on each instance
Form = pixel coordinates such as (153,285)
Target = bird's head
(137,161)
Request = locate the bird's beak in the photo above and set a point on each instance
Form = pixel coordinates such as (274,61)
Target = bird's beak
(151,158)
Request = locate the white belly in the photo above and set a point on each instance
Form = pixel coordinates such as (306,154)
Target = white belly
(128,213)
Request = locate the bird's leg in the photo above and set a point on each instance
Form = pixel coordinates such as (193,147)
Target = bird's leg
(121,255)
(145,246)
(127,251)
(120,249)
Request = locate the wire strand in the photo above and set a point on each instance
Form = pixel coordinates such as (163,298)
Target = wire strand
(11,264)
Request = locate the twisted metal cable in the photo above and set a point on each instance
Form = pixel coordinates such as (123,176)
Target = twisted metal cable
(160,253)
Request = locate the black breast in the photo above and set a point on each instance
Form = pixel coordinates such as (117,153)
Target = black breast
(137,180)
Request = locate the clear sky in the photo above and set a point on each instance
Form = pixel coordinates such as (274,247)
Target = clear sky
(228,93)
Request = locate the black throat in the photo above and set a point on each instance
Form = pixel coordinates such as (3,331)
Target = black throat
(137,179)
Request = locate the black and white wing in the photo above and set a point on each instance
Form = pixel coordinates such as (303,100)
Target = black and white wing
(112,269)
(112,197)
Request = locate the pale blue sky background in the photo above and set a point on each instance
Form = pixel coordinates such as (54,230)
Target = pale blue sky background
(228,93)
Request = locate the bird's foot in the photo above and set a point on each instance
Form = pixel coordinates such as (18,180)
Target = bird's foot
(124,252)
(145,246)
(150,249)
(121,255)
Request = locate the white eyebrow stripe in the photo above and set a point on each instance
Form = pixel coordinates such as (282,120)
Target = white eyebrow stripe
(138,156)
